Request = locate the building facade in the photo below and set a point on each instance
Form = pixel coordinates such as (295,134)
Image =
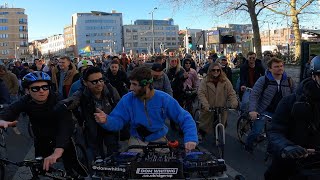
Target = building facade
(13,33)
(101,31)
(69,41)
(54,46)
(139,36)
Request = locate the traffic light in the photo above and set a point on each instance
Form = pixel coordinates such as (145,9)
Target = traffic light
(190,41)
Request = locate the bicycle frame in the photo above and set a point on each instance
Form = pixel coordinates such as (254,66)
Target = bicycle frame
(219,129)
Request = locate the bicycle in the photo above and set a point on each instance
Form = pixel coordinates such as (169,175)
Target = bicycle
(244,127)
(36,170)
(219,129)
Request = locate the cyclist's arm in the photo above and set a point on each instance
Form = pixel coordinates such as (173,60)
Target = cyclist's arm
(183,118)
(202,95)
(12,112)
(279,129)
(119,116)
(255,94)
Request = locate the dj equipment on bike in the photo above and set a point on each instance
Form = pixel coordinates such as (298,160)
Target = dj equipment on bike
(159,161)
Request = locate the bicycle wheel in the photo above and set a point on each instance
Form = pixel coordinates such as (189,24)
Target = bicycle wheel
(220,145)
(243,128)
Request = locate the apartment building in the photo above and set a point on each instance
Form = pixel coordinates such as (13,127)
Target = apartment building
(54,46)
(101,31)
(13,33)
(139,36)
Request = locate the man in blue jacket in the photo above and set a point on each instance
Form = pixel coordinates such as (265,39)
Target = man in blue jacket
(146,110)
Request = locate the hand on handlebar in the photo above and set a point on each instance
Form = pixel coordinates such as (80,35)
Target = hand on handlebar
(294,152)
(253,115)
(190,146)
(48,161)
(5,124)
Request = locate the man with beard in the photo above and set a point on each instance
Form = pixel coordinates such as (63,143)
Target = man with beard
(294,134)
(265,96)
(118,78)
(97,96)
(146,110)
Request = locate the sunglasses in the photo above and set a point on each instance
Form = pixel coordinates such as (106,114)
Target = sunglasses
(215,70)
(37,88)
(187,63)
(94,82)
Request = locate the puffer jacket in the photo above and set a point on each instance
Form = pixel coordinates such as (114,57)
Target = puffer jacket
(259,102)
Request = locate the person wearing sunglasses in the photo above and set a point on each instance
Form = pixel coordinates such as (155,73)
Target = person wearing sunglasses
(215,91)
(52,131)
(192,82)
(146,110)
(97,96)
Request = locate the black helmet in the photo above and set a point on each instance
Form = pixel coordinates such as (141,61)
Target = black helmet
(34,77)
(315,65)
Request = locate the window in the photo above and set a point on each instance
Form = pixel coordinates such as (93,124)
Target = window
(135,37)
(4,44)
(135,44)
(20,12)
(3,20)
(3,36)
(5,51)
(4,13)
(22,28)
(98,41)
(128,30)
(4,28)
(22,21)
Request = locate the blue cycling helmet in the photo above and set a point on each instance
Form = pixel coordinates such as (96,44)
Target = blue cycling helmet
(315,65)
(35,77)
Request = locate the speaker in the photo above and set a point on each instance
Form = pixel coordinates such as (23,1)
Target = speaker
(227,39)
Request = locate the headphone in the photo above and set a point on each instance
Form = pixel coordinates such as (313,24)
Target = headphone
(144,82)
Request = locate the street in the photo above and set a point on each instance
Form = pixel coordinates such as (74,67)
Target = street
(237,159)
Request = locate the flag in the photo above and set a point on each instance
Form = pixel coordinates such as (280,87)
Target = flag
(85,50)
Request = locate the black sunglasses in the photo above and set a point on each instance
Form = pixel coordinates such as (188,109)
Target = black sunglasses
(94,82)
(215,70)
(37,88)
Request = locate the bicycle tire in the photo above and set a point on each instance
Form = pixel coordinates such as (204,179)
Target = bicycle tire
(244,126)
(220,146)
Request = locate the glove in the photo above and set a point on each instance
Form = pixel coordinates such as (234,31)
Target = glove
(293,152)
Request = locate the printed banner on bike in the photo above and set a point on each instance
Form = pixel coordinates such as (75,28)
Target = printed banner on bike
(155,170)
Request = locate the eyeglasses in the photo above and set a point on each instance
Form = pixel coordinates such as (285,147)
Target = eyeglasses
(37,88)
(215,70)
(94,82)
(187,63)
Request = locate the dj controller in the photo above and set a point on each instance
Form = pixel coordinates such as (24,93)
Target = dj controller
(159,161)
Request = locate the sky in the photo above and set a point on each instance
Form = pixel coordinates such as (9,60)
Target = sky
(48,17)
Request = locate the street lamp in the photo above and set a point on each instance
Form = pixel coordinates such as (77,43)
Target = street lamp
(152,26)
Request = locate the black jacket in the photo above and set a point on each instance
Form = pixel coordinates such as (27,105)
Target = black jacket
(119,81)
(227,70)
(83,104)
(46,122)
(296,121)
(244,73)
(4,93)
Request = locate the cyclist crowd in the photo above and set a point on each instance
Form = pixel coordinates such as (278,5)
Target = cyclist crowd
(112,94)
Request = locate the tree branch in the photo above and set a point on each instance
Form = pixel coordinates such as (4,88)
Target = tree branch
(305,5)
(266,5)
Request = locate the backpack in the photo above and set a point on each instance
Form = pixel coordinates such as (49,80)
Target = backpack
(267,83)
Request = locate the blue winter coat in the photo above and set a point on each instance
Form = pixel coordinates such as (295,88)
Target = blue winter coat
(161,106)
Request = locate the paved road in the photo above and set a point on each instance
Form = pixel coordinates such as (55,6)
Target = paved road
(238,161)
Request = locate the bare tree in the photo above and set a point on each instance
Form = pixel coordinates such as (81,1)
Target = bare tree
(292,9)
(225,7)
